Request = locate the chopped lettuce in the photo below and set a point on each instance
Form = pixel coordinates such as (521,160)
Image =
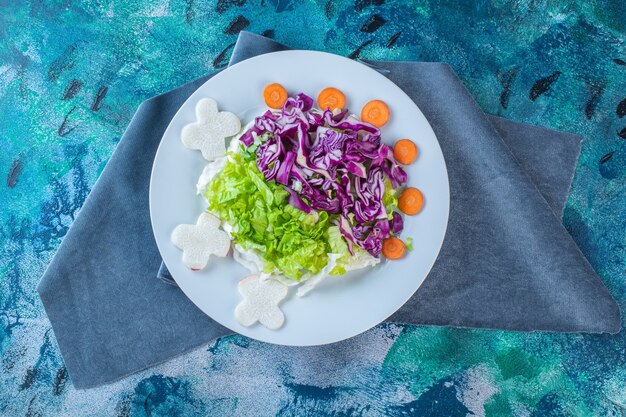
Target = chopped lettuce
(390,201)
(289,240)
(347,262)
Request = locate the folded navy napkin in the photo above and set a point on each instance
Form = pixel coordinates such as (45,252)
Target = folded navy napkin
(506,262)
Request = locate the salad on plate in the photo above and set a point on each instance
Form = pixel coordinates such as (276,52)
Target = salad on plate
(303,193)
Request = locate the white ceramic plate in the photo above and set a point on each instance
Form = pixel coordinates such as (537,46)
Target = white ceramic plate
(340,307)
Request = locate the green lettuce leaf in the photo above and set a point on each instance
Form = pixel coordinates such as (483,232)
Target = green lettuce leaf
(339,246)
(390,201)
(289,240)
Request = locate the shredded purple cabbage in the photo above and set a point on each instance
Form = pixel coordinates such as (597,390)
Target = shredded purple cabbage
(397,224)
(337,163)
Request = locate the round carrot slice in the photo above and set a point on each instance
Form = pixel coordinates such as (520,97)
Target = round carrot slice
(405,151)
(393,248)
(331,98)
(411,201)
(275,95)
(375,112)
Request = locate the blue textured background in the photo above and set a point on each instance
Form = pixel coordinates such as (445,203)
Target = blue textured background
(73,72)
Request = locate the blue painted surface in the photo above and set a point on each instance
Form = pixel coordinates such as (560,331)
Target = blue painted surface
(71,76)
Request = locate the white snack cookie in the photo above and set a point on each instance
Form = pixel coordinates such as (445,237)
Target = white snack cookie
(260,302)
(210,129)
(201,240)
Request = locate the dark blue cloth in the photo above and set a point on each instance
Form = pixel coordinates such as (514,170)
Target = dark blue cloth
(506,262)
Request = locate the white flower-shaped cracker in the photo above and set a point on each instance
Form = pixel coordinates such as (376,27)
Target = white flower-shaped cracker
(260,302)
(201,240)
(210,129)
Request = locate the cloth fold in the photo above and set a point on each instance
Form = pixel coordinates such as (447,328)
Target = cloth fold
(506,262)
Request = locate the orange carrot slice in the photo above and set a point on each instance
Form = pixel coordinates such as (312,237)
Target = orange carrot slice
(275,95)
(331,98)
(375,112)
(393,248)
(411,201)
(405,151)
